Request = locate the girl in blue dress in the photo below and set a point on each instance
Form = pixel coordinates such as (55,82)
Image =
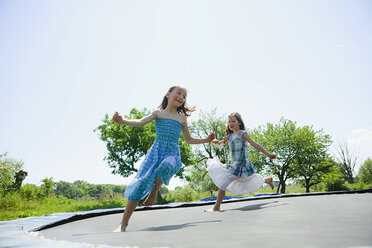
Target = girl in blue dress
(240,176)
(163,159)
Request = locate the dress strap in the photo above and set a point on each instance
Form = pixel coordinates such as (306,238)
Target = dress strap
(242,132)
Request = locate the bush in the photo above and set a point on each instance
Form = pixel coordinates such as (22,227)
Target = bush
(358,186)
(334,180)
(163,190)
(30,192)
(6,179)
(8,168)
(365,172)
(334,183)
(104,196)
(113,202)
(69,190)
(10,200)
(185,194)
(56,201)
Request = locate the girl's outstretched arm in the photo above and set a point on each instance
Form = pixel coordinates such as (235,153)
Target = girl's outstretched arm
(190,140)
(134,123)
(221,142)
(257,146)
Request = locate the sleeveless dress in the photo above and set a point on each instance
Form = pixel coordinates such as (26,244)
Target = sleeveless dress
(240,177)
(163,160)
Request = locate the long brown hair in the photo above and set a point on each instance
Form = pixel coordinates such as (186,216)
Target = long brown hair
(239,119)
(182,109)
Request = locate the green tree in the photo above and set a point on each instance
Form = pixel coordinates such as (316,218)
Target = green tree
(365,172)
(127,145)
(8,169)
(313,172)
(198,176)
(291,144)
(82,186)
(68,190)
(207,184)
(30,192)
(163,190)
(206,123)
(185,194)
(312,161)
(47,186)
(277,139)
(334,180)
(96,190)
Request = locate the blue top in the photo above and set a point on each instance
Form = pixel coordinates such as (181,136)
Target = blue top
(163,160)
(241,164)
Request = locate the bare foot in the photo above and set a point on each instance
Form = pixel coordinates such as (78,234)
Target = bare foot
(212,210)
(121,228)
(269,181)
(150,200)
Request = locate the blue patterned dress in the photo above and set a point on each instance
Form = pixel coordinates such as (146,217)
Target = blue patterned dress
(163,160)
(241,164)
(240,176)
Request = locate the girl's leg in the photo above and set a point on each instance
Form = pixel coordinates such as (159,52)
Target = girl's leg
(150,200)
(269,181)
(129,209)
(217,205)
(131,205)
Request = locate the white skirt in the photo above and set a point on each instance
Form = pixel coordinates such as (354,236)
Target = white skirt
(225,180)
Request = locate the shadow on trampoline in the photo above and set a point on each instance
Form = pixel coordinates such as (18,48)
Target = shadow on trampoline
(175,227)
(93,233)
(256,206)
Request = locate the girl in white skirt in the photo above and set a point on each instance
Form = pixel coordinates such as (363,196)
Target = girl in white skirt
(240,177)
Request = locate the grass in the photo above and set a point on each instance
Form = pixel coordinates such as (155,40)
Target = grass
(188,194)
(27,208)
(288,190)
(268,190)
(12,206)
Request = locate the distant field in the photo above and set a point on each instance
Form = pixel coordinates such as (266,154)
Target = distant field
(13,207)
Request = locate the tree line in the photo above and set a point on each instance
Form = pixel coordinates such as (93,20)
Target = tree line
(303,158)
(303,153)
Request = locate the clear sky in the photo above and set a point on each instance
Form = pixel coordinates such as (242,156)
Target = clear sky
(65,64)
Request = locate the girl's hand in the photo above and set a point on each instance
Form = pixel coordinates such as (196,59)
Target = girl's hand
(117,118)
(272,156)
(217,143)
(211,136)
